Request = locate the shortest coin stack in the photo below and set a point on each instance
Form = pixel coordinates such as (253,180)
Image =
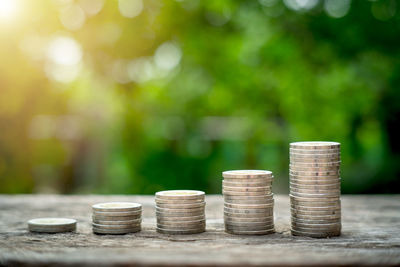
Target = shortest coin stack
(180,212)
(52,225)
(117,218)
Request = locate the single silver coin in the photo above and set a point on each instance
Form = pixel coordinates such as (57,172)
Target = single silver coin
(315,221)
(114,232)
(314,169)
(314,151)
(315,235)
(248,215)
(180,194)
(248,206)
(318,226)
(248,174)
(52,225)
(249,211)
(237,193)
(265,219)
(296,161)
(314,191)
(182,210)
(118,214)
(181,223)
(179,214)
(315,217)
(316,212)
(315,173)
(249,223)
(315,145)
(266,189)
(117,207)
(116,227)
(315,182)
(125,222)
(316,186)
(181,227)
(246,184)
(315,195)
(250,228)
(267,181)
(320,208)
(314,156)
(317,230)
(180,232)
(262,232)
(96,217)
(181,218)
(179,201)
(181,206)
(315,164)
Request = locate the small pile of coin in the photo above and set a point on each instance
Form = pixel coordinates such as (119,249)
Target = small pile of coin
(180,212)
(248,202)
(52,225)
(315,189)
(117,218)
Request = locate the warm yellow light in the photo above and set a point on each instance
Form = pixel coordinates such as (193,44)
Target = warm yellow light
(8,9)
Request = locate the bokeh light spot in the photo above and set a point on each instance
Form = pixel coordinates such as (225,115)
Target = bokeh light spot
(130,8)
(337,9)
(167,56)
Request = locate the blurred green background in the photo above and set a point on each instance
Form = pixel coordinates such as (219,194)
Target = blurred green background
(135,96)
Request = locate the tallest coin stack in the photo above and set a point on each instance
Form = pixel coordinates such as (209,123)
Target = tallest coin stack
(315,189)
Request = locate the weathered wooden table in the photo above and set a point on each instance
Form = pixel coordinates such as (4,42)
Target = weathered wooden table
(371,236)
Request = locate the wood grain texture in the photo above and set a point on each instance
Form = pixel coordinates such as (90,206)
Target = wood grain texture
(370,236)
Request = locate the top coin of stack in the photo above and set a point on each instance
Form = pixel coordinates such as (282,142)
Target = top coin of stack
(117,218)
(315,188)
(52,225)
(248,202)
(180,212)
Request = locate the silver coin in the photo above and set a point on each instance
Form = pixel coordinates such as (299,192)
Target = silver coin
(316,212)
(315,182)
(181,227)
(178,232)
(181,223)
(267,181)
(315,164)
(314,169)
(315,173)
(248,215)
(181,218)
(179,214)
(117,207)
(249,202)
(266,189)
(249,228)
(96,217)
(249,211)
(314,151)
(181,210)
(116,227)
(265,219)
(180,194)
(317,196)
(307,208)
(250,224)
(237,193)
(179,201)
(248,174)
(52,225)
(117,214)
(321,203)
(314,191)
(315,217)
(314,235)
(115,232)
(314,156)
(314,145)
(315,221)
(296,161)
(246,184)
(262,232)
(125,222)
(316,186)
(317,226)
(317,230)
(248,206)
(180,206)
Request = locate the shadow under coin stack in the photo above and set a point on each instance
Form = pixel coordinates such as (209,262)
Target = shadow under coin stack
(117,218)
(180,212)
(315,189)
(248,202)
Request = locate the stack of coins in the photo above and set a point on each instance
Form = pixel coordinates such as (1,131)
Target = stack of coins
(315,189)
(117,218)
(180,212)
(248,202)
(52,225)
